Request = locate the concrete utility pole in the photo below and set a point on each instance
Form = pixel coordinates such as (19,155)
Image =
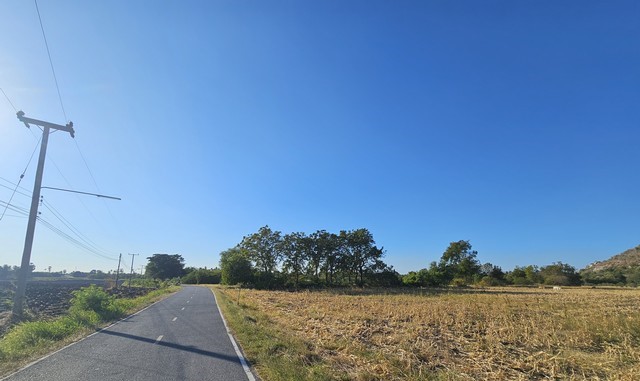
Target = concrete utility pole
(18,301)
(131,275)
(118,270)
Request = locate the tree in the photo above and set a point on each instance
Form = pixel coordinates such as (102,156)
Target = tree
(460,262)
(235,267)
(263,249)
(202,276)
(361,253)
(165,266)
(433,277)
(524,275)
(295,248)
(5,271)
(491,275)
(317,253)
(560,274)
(385,277)
(329,247)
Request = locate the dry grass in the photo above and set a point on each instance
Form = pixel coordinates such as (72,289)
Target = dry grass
(505,334)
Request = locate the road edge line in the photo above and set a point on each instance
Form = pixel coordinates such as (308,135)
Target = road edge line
(243,360)
(81,340)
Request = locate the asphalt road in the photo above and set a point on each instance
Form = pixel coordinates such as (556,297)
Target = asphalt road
(180,338)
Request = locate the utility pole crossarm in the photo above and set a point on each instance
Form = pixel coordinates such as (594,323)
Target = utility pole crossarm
(19,297)
(67,128)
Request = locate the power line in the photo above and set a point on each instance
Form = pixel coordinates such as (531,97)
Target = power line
(12,183)
(15,208)
(55,78)
(86,245)
(8,100)
(21,177)
(44,36)
(71,186)
(72,240)
(56,214)
(95,183)
(71,227)
(87,165)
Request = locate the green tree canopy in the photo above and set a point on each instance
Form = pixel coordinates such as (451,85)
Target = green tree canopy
(295,249)
(235,266)
(362,254)
(561,274)
(165,266)
(202,276)
(263,249)
(459,261)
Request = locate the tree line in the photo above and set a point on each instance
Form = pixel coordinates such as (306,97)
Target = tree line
(459,266)
(270,259)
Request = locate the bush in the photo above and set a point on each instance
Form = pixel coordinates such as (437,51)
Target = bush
(204,276)
(94,298)
(489,281)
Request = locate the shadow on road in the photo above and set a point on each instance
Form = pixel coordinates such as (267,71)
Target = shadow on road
(175,346)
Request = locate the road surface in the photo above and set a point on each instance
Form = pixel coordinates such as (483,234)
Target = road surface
(180,338)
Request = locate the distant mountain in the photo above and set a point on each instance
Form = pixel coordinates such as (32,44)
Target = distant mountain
(629,258)
(623,268)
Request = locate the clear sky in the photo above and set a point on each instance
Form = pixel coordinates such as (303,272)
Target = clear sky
(512,124)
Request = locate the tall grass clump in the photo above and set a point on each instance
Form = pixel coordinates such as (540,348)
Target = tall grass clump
(95,299)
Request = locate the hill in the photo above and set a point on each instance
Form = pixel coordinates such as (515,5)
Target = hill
(623,268)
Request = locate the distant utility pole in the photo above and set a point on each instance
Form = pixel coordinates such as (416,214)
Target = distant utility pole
(33,213)
(118,270)
(131,275)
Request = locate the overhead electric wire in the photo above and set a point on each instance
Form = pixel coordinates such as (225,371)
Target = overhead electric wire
(84,243)
(44,36)
(9,100)
(65,179)
(95,183)
(72,228)
(55,78)
(61,233)
(11,189)
(15,208)
(72,240)
(87,165)
(23,212)
(21,177)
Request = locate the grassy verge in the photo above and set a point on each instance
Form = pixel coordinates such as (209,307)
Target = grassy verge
(91,309)
(273,351)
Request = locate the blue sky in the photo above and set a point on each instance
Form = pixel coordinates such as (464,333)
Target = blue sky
(512,124)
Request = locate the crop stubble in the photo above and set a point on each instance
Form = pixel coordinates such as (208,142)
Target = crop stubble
(494,334)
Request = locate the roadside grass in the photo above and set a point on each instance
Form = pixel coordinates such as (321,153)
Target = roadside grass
(491,334)
(91,309)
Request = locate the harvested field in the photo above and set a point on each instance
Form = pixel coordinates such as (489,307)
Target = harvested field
(494,334)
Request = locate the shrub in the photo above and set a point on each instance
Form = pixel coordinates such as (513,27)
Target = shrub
(94,298)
